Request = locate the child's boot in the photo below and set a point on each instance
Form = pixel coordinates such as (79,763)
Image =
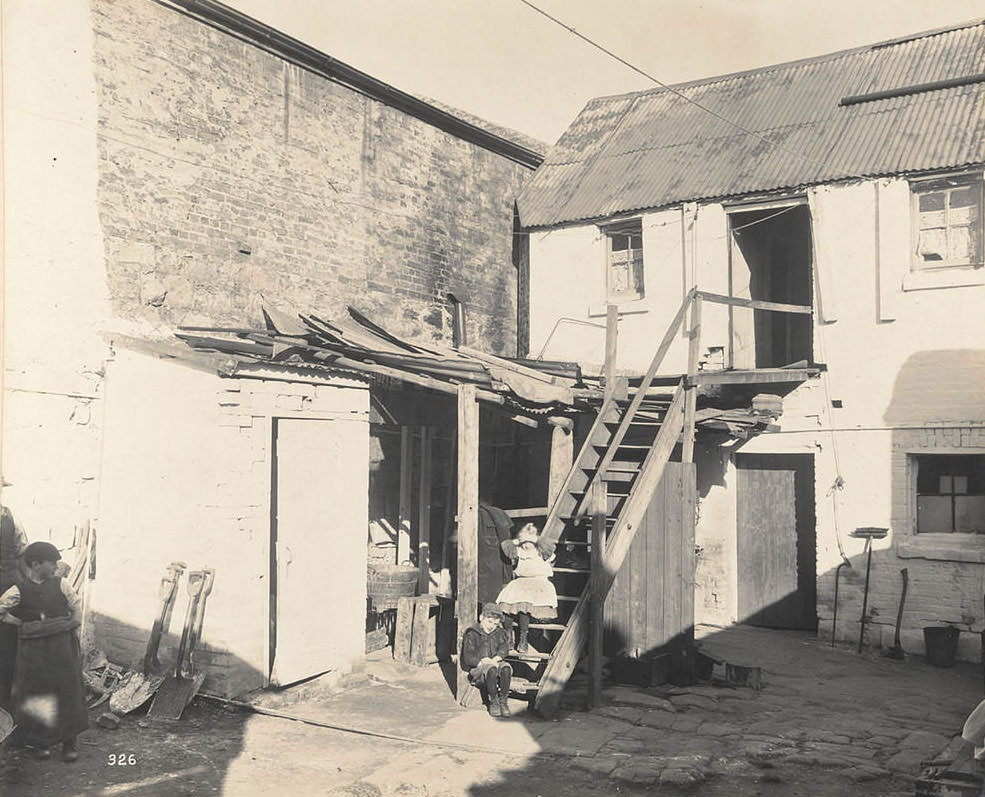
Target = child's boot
(69,752)
(504,692)
(522,646)
(492,693)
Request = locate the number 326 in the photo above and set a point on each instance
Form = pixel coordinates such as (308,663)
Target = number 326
(121,759)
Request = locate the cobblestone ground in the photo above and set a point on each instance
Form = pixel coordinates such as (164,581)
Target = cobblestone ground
(826,722)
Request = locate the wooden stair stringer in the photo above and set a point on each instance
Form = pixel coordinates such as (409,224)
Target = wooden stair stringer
(573,640)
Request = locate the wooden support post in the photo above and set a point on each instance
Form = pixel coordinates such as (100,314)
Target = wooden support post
(403,519)
(611,342)
(599,587)
(562,455)
(691,396)
(424,513)
(467,597)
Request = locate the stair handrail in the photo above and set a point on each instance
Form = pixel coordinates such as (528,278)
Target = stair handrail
(634,405)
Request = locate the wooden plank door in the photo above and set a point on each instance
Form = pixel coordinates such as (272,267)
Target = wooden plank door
(650,607)
(320,508)
(775,541)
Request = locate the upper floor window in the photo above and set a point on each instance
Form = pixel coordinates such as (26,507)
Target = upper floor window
(950,493)
(947,216)
(624,260)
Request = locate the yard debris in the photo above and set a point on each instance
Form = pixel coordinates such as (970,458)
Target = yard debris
(108,720)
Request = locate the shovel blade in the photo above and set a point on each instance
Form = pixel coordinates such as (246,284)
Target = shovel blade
(173,695)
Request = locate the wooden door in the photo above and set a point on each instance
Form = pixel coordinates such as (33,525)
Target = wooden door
(776,541)
(650,607)
(319,522)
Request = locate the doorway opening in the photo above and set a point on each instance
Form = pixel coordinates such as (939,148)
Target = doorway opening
(771,260)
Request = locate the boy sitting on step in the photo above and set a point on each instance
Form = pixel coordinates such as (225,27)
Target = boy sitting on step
(485,645)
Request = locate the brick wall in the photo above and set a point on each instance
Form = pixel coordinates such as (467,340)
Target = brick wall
(227,174)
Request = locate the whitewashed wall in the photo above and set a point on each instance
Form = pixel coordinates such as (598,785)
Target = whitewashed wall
(906,361)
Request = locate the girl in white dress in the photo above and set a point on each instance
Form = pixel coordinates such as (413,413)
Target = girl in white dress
(530,593)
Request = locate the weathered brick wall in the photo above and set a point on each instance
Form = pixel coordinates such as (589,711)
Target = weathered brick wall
(226,173)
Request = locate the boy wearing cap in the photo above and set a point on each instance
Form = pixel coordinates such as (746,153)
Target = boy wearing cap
(48,696)
(485,645)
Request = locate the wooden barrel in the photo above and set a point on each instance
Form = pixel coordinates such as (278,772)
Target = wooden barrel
(386,583)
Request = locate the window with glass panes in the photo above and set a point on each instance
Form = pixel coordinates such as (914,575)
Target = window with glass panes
(950,493)
(948,222)
(624,259)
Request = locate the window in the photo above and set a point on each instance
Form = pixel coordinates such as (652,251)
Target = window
(624,260)
(947,215)
(950,493)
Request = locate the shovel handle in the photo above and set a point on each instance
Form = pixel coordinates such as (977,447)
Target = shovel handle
(195,579)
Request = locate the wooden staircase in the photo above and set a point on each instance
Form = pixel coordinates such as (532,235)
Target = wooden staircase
(614,477)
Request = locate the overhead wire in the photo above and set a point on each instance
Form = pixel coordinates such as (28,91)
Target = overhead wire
(666,86)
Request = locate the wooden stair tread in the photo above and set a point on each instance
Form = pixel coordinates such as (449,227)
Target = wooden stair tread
(530,655)
(572,570)
(547,626)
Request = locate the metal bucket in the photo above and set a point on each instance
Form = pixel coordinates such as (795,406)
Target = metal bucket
(941,643)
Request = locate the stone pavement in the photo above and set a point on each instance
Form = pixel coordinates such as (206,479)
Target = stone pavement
(826,721)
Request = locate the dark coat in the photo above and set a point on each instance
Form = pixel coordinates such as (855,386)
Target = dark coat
(493,567)
(478,645)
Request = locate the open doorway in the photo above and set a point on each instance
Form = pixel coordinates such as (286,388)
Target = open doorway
(771,261)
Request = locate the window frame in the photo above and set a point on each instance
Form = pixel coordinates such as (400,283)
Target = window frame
(630,228)
(947,183)
(952,493)
(935,546)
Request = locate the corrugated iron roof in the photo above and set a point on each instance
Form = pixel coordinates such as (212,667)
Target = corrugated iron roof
(654,148)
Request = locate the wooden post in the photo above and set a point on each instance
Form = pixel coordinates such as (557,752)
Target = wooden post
(690,399)
(599,586)
(611,341)
(424,514)
(467,597)
(403,520)
(562,455)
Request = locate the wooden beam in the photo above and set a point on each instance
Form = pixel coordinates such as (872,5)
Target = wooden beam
(533,511)
(596,615)
(562,455)
(691,396)
(755,304)
(467,597)
(755,376)
(405,376)
(424,512)
(405,490)
(611,346)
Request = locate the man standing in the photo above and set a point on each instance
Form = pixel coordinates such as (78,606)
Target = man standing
(13,541)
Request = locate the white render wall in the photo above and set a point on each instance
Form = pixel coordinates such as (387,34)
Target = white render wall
(907,365)
(187,476)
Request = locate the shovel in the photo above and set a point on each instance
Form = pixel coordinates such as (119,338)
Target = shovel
(897,652)
(137,688)
(177,690)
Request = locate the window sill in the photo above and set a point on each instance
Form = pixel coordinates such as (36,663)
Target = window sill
(943,547)
(957,277)
(624,306)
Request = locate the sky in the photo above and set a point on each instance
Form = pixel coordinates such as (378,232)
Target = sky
(504,62)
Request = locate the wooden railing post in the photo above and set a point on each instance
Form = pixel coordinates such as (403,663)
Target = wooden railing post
(691,396)
(424,513)
(598,590)
(467,593)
